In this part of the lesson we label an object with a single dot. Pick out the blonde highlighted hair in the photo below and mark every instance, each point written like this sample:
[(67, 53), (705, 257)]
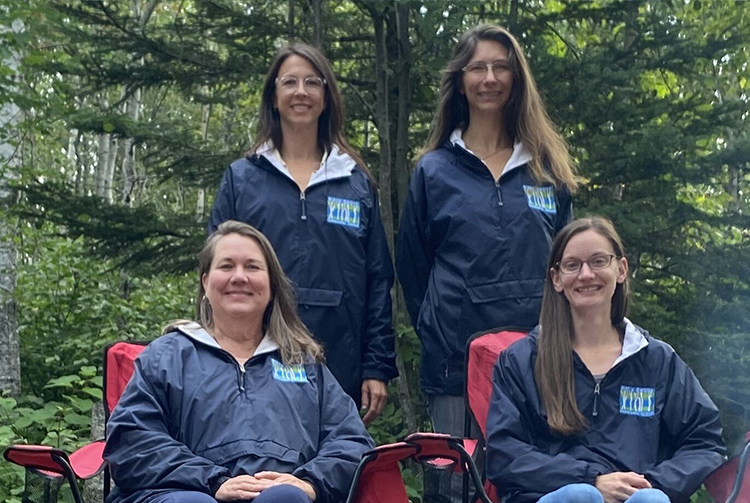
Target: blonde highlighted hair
[(280, 321), (525, 115)]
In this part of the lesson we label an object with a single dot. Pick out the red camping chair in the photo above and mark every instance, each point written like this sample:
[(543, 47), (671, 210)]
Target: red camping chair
[(482, 351), (47, 468), (730, 483), (378, 476)]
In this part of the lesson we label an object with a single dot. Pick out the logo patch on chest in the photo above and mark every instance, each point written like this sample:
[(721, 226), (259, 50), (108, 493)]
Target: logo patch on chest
[(343, 212), (637, 401), (541, 198), (290, 373)]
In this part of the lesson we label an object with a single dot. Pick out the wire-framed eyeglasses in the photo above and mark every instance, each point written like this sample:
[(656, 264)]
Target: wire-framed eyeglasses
[(291, 84), (480, 68), (595, 262)]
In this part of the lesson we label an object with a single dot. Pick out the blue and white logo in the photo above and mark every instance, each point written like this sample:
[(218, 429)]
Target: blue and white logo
[(291, 373), (541, 198), (637, 401), (343, 212)]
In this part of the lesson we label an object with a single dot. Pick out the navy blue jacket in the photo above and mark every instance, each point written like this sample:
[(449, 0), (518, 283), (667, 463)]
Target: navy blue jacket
[(649, 415), (472, 254), (191, 418), (331, 243)]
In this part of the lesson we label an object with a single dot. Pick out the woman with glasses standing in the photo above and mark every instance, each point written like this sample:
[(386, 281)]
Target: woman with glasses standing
[(590, 408), (484, 204), (310, 193)]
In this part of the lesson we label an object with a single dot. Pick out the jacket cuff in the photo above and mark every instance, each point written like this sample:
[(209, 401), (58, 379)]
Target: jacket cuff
[(216, 483), (378, 375)]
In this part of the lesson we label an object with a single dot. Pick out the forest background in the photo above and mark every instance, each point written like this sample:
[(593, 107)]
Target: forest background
[(118, 118)]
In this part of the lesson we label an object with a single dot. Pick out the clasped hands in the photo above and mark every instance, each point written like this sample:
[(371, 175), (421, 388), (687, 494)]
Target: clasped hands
[(616, 487), (247, 487)]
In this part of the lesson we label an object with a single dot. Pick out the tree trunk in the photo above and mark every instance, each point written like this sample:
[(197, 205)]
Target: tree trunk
[(317, 10), (401, 166), (10, 362)]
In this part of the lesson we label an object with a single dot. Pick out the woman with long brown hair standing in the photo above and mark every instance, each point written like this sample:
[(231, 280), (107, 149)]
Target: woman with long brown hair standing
[(484, 204), (305, 188), (591, 408)]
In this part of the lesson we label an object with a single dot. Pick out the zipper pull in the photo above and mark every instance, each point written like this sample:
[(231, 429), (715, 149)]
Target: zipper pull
[(596, 398), (302, 202), (499, 194), (242, 378)]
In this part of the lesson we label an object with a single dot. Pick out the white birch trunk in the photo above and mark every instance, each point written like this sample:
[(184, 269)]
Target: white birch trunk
[(10, 363)]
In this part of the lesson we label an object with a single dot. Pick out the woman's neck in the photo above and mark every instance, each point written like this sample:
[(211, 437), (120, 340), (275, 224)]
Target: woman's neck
[(486, 134), (237, 339), (592, 329), (300, 144)]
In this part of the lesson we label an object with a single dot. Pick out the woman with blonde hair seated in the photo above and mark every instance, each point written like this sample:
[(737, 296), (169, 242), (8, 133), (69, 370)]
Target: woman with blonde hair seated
[(236, 406)]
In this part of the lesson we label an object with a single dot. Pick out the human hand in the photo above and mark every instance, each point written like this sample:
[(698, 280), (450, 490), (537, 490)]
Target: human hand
[(242, 487), (616, 487), (276, 478), (374, 396)]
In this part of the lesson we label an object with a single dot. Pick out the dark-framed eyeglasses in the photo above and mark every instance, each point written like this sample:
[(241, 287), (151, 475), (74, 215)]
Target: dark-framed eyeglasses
[(480, 68), (291, 84), (596, 262)]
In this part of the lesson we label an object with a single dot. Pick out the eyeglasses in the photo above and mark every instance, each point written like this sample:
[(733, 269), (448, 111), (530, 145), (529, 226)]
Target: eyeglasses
[(573, 265), (291, 84), (480, 68)]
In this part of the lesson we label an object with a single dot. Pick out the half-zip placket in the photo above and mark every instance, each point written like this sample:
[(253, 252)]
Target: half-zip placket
[(303, 204), (594, 411)]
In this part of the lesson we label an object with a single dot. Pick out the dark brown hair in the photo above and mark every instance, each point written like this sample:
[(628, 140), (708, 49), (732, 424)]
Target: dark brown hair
[(553, 370), (330, 122), (526, 118)]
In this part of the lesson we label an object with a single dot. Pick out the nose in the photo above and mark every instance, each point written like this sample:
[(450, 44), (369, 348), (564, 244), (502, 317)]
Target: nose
[(585, 271), (238, 276), (301, 89), (490, 74)]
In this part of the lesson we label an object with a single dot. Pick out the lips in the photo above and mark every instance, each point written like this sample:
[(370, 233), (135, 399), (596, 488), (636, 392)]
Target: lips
[(588, 288)]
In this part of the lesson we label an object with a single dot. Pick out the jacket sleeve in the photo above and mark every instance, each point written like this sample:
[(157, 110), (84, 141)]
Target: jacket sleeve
[(691, 424), (514, 463), (565, 213), (379, 345), (342, 441), (414, 256), (141, 450), (223, 208)]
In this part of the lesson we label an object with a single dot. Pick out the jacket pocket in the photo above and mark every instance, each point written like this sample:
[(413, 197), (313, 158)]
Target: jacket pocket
[(319, 297), (503, 290), (262, 449)]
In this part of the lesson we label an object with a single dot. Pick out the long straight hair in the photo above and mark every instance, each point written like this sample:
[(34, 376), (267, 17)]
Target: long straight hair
[(280, 321), (525, 115), (330, 122), (553, 370)]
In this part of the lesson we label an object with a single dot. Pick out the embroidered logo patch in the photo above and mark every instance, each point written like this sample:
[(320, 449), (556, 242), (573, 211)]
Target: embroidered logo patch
[(637, 401), (343, 212), (541, 198), (292, 373)]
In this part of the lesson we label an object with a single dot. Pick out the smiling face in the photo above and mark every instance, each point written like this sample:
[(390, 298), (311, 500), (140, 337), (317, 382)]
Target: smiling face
[(589, 288), (237, 285), (487, 91), (301, 104)]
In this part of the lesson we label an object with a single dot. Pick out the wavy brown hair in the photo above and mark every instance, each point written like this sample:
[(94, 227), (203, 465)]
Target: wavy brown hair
[(280, 321), (553, 370), (330, 122), (525, 115)]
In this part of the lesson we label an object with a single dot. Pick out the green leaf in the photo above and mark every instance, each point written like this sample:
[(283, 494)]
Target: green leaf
[(63, 382), (93, 392)]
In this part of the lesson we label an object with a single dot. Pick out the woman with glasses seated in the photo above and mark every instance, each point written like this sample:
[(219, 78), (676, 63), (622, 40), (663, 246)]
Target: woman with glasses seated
[(305, 188), (591, 408), (484, 204)]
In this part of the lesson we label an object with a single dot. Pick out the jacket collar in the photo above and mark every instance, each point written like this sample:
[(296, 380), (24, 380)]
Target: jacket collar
[(518, 158), (196, 332), (633, 341), (335, 163)]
